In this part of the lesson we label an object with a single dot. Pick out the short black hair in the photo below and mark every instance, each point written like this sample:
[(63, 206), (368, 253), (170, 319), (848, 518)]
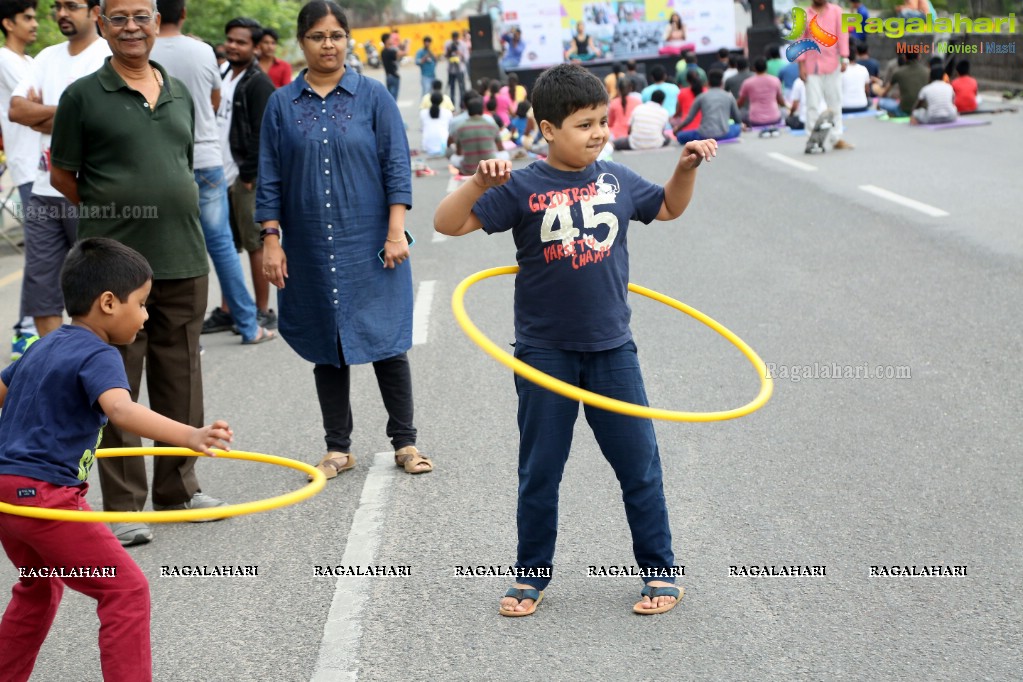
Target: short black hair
[(384, 37), (657, 73), (11, 8), (562, 90), (722, 53), (272, 32), (255, 30), (772, 52), (437, 84), (657, 96), (522, 110), (760, 65), (427, 39), (96, 265), (714, 78), (474, 106), (742, 63), (861, 48), (170, 11), (937, 73), (315, 10), (963, 67)]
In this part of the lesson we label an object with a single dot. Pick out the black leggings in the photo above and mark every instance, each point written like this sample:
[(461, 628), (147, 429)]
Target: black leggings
[(333, 386)]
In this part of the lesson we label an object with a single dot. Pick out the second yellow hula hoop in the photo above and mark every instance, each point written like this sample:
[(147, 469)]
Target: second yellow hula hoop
[(180, 515), (596, 400)]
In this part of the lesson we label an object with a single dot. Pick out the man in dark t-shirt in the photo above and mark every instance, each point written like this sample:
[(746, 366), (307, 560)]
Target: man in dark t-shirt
[(390, 58)]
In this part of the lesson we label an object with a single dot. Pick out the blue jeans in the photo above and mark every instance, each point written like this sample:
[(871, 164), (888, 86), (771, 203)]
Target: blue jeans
[(546, 422), (891, 106), (683, 136), (393, 83), (216, 230), (426, 83)]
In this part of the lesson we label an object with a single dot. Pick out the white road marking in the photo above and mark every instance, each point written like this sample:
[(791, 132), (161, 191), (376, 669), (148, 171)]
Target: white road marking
[(905, 201), (421, 312), (792, 162), (341, 633)]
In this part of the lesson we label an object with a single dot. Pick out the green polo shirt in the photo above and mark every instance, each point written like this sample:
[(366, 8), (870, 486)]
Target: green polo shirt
[(134, 166)]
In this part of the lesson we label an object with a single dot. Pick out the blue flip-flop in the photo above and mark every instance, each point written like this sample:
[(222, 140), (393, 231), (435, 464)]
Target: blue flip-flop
[(653, 593), (520, 594)]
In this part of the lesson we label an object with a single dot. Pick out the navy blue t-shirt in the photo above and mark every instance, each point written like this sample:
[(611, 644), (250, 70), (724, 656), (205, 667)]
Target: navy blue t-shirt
[(51, 422), (570, 231)]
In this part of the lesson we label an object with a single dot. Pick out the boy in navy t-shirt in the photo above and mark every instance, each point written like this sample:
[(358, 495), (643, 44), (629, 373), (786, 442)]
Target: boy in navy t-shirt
[(56, 400), (569, 217)]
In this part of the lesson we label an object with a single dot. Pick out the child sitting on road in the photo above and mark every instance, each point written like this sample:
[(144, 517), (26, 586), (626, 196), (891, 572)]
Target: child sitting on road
[(570, 217), (56, 400)]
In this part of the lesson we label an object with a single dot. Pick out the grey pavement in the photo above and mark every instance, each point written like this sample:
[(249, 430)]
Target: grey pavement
[(814, 273)]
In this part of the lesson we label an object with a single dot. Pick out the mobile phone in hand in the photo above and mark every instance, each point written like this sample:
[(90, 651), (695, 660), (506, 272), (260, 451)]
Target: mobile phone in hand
[(408, 237)]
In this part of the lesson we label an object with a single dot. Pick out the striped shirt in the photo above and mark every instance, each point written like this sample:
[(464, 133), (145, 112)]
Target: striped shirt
[(647, 126), (476, 140)]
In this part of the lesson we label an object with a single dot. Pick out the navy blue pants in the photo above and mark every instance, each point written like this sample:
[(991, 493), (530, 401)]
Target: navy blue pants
[(546, 422)]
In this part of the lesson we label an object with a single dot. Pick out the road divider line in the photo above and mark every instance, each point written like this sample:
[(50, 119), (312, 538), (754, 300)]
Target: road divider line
[(905, 201), (778, 156), (11, 278), (421, 312), (339, 647)]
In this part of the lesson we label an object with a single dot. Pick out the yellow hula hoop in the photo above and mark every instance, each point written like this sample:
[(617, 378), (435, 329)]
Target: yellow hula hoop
[(596, 400), (179, 515)]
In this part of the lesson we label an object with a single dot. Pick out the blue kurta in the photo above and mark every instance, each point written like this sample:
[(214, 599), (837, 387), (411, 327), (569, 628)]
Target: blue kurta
[(329, 170)]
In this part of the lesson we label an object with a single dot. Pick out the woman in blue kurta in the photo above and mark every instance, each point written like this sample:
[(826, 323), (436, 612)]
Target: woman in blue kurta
[(334, 188)]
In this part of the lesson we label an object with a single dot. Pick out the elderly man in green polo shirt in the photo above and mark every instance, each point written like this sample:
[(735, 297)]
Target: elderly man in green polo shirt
[(122, 150)]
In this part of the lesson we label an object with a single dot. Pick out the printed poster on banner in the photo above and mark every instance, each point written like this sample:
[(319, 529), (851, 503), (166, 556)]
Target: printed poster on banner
[(540, 23)]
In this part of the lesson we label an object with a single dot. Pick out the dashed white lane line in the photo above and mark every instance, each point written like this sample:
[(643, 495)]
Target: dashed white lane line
[(777, 156), (926, 209), (421, 312), (341, 633)]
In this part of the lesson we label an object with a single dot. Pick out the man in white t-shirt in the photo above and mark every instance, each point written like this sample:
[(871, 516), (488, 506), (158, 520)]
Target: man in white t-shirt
[(855, 86), (21, 144), (51, 222), (647, 125), (194, 63), (936, 101)]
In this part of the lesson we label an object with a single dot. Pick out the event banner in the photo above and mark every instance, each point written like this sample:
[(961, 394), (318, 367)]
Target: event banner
[(618, 30), (540, 23)]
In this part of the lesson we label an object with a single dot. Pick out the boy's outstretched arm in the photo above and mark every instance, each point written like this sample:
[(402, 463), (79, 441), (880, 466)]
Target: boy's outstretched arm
[(454, 215), (124, 413), (679, 188)]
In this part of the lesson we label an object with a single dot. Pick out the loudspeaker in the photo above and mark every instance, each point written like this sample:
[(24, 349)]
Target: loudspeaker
[(484, 64), (759, 37), (482, 31), (763, 12)]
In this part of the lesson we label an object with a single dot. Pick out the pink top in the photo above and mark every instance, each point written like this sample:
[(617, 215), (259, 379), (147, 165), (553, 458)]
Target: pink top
[(829, 58), (618, 118), (504, 105), (761, 91)]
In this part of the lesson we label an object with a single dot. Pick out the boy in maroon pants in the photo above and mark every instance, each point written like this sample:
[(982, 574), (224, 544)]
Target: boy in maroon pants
[(56, 400)]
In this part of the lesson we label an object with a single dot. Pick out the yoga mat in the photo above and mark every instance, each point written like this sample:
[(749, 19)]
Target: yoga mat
[(958, 123)]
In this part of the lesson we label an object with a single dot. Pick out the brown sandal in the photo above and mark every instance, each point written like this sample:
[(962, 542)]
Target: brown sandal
[(331, 464), (411, 460)]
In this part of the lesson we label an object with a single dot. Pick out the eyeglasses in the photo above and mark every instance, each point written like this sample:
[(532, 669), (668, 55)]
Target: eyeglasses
[(68, 7), (321, 38), (120, 21)]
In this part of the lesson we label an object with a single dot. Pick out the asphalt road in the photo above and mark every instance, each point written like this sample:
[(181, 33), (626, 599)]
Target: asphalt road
[(919, 466)]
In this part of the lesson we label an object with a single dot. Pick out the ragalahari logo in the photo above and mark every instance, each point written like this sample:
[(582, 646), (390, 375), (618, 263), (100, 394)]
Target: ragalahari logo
[(818, 36)]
